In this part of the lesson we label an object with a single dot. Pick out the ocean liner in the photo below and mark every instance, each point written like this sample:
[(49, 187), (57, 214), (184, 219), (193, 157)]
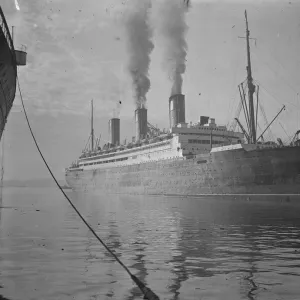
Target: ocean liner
[(192, 159), (9, 60)]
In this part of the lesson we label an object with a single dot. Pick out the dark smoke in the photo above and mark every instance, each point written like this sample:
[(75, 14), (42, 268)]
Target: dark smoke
[(173, 28), (139, 35)]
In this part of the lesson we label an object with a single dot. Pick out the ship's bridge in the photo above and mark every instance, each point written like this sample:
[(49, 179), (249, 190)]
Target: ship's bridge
[(196, 138)]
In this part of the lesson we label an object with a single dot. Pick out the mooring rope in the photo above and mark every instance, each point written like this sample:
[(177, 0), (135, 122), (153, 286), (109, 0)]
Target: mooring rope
[(148, 294)]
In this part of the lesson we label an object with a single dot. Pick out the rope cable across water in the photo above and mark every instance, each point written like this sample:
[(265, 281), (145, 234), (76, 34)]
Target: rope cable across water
[(148, 294)]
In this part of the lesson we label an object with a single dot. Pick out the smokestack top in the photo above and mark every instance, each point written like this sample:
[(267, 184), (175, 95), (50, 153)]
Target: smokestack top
[(176, 109), (141, 123), (177, 96), (140, 108), (114, 131)]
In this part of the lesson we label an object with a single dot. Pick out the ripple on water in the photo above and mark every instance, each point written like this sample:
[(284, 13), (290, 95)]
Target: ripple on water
[(182, 248)]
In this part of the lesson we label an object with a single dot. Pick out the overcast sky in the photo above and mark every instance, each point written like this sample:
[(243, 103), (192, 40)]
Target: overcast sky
[(77, 52)]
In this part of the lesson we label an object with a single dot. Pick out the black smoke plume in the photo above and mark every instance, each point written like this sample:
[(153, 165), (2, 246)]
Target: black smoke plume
[(140, 46), (173, 28)]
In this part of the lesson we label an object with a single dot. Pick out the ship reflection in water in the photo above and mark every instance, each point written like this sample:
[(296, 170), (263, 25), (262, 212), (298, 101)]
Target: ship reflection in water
[(182, 248)]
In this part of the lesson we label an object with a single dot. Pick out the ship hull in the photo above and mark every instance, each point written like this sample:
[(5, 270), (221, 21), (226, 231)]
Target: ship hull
[(8, 73), (236, 172)]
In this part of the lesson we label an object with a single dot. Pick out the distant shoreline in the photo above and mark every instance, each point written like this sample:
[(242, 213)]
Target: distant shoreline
[(64, 187), (34, 183)]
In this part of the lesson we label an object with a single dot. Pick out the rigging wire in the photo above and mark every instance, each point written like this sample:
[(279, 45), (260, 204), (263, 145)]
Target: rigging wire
[(261, 85), (235, 92), (232, 124), (297, 107), (147, 292), (288, 137), (237, 115), (270, 135), (271, 54)]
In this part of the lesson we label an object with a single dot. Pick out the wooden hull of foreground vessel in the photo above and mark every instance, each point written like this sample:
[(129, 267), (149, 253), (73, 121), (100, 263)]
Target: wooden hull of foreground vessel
[(8, 72), (273, 171)]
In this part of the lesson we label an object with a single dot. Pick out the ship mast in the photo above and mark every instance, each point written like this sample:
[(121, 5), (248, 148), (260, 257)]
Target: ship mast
[(92, 128), (251, 88)]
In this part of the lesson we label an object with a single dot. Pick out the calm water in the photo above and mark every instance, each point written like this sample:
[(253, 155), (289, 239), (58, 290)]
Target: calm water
[(182, 248)]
